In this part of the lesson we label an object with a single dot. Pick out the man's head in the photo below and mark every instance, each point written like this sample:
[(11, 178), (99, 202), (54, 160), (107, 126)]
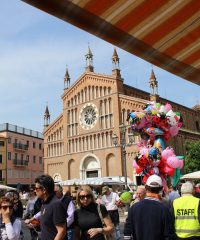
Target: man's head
[(105, 190), (140, 192), (58, 190), (154, 184), (44, 186), (187, 188)]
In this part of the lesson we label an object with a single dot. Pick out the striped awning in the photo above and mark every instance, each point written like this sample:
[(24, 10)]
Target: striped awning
[(163, 32)]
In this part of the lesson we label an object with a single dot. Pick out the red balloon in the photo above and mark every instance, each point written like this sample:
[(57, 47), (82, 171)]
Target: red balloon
[(138, 169), (151, 171), (162, 163), (167, 136), (169, 170), (142, 161), (144, 179)]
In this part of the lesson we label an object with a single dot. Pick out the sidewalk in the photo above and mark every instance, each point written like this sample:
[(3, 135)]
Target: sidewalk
[(122, 219), (122, 215)]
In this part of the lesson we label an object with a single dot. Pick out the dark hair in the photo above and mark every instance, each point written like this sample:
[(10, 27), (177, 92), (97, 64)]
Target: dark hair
[(6, 200), (46, 182), (174, 188), (153, 189), (59, 187)]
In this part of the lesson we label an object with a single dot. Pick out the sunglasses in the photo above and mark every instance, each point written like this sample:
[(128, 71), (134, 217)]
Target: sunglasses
[(6, 207), (82, 197), (38, 188)]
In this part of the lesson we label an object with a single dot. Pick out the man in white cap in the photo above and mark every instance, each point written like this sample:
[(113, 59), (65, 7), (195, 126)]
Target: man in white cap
[(186, 212), (149, 219)]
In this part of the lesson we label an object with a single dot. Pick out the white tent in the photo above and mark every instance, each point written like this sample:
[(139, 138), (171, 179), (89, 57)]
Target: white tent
[(191, 176), (91, 181), (4, 187)]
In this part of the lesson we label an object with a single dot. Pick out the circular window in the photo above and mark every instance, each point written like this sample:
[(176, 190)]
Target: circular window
[(88, 116)]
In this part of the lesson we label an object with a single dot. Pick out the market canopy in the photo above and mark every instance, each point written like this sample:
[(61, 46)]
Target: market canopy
[(162, 32), (191, 176), (4, 187), (90, 181)]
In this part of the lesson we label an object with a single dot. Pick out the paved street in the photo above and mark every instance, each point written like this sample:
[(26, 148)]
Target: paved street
[(122, 220), (26, 232)]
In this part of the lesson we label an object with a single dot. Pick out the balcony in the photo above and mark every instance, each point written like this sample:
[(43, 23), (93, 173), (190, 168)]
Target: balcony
[(20, 146), (20, 163)]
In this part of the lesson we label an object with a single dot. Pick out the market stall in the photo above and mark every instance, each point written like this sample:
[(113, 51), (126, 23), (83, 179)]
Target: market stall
[(191, 176)]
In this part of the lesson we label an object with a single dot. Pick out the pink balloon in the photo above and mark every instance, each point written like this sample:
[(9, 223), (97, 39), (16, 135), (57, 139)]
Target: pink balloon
[(135, 164), (164, 182), (181, 163), (144, 151), (168, 107), (173, 162), (174, 130), (142, 123), (168, 152)]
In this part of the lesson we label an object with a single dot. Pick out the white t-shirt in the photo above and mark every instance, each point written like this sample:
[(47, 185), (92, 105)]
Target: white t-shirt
[(110, 201), (30, 205)]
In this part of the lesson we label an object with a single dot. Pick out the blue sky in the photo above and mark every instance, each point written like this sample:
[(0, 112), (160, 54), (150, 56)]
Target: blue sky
[(36, 47)]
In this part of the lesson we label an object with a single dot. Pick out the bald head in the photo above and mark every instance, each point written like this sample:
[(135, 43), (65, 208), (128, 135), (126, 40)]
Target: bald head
[(140, 192)]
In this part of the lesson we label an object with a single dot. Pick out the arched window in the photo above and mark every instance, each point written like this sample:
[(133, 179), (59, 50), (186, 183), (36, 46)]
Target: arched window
[(197, 126)]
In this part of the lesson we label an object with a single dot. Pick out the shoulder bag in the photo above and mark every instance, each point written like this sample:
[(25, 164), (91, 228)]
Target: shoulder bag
[(106, 236)]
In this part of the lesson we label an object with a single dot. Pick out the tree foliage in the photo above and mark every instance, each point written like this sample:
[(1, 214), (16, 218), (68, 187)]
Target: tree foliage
[(192, 159)]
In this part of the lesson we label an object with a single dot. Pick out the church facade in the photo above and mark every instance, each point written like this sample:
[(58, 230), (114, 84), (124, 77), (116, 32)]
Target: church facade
[(79, 142)]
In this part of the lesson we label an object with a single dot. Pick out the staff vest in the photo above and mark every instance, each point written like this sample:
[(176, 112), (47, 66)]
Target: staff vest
[(186, 216)]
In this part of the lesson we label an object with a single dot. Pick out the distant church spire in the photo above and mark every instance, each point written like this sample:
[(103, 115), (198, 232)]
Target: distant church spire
[(153, 84), (115, 62), (89, 61), (46, 117), (66, 79)]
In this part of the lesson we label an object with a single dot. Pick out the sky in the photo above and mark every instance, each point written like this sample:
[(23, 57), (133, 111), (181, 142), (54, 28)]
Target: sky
[(35, 49)]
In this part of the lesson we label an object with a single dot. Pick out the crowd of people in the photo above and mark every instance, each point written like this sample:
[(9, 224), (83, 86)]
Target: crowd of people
[(169, 216), (52, 214)]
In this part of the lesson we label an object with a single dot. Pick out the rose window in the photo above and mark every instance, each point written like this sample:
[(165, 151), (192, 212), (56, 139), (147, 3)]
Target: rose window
[(88, 116)]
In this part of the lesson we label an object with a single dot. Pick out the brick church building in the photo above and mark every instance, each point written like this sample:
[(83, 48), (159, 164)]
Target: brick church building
[(79, 142)]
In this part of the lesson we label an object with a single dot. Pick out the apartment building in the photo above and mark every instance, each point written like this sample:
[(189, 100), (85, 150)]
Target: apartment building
[(21, 155)]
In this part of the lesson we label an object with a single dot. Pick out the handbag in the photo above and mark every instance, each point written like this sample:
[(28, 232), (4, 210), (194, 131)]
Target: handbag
[(106, 236)]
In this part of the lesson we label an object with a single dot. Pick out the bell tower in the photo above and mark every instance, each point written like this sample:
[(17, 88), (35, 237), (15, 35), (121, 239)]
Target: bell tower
[(89, 61), (153, 84), (66, 80), (115, 63), (46, 117)]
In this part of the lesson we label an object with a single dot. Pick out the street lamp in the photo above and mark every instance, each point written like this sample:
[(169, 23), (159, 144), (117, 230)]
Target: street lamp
[(123, 145)]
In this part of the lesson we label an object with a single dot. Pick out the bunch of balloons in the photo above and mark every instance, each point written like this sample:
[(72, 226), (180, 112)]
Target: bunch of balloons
[(156, 124)]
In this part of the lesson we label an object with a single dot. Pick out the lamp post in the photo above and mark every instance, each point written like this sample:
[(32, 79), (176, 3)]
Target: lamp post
[(123, 146)]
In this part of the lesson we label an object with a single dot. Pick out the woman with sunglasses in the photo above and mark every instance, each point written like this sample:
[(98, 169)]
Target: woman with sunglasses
[(88, 223), (10, 226), (17, 207)]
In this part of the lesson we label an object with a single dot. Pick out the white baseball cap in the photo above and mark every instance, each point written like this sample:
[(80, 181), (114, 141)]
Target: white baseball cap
[(154, 181)]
